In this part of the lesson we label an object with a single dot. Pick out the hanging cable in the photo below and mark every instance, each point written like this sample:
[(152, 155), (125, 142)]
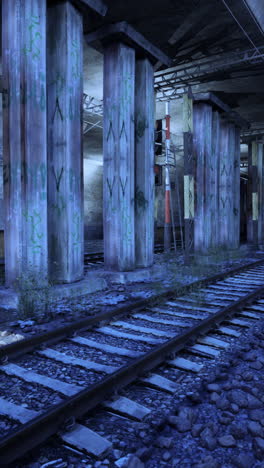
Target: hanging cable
[(241, 27)]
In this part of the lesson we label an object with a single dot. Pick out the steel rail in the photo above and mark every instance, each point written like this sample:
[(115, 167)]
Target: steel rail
[(19, 348), (55, 420)]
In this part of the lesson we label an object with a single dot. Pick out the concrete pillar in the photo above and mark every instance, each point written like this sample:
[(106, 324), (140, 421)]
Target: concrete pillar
[(252, 209), (225, 181), (189, 175), (214, 178), (204, 219), (25, 128), (119, 158), (144, 163), (65, 158), (261, 196), (236, 197), (231, 186)]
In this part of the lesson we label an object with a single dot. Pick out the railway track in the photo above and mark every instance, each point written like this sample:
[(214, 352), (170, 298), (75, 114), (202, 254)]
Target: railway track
[(90, 259), (73, 369)]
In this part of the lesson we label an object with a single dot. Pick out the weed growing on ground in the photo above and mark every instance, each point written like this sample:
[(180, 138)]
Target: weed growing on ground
[(34, 295)]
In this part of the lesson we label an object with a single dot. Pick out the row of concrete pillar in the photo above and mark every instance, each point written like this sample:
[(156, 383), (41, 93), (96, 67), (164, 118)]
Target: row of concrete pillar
[(43, 165), (212, 177), (255, 199)]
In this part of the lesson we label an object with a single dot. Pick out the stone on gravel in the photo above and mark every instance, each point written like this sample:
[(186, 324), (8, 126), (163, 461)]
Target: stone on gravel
[(256, 365), (197, 429), (238, 431), (258, 447), (251, 356), (207, 440), (256, 414), (208, 462), (166, 456), (222, 403), (243, 460), (247, 376), (214, 397), (213, 387), (144, 453), (164, 442), (255, 429), (184, 421), (239, 398), (227, 441), (254, 403), (130, 461)]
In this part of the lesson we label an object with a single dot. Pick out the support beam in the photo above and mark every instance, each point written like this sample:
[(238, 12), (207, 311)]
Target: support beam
[(144, 163), (119, 159), (65, 159), (25, 142)]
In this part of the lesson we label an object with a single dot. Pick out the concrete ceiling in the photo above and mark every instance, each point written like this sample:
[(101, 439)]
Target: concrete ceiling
[(189, 30)]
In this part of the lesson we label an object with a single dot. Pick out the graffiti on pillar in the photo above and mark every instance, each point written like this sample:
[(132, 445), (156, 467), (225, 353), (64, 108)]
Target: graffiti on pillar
[(110, 131), (75, 54), (59, 206), (224, 170), (110, 186), (75, 180), (126, 93), (57, 110), (123, 132), (141, 126), (224, 201), (140, 201), (123, 185), (58, 177), (126, 222), (34, 221), (76, 234), (34, 35)]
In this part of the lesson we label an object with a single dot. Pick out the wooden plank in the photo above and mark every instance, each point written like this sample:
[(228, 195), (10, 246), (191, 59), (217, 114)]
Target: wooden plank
[(128, 408), (75, 361), (83, 439), (185, 364), (159, 382), (105, 347), (142, 329), (122, 31), (204, 350), (129, 336), (16, 412), (33, 377)]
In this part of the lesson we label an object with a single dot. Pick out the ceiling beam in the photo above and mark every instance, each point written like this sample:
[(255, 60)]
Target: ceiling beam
[(95, 5)]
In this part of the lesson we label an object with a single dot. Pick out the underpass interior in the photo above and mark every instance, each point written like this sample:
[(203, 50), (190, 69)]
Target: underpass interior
[(132, 166)]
